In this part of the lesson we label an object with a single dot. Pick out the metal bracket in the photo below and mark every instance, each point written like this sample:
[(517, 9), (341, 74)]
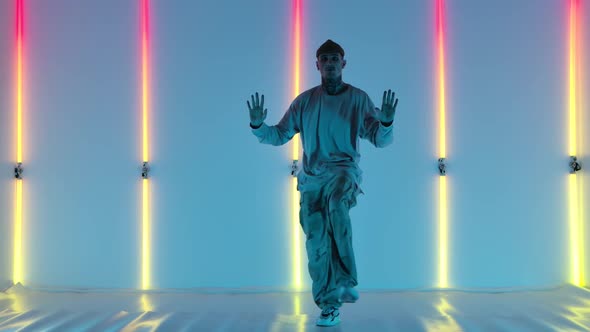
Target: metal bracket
[(442, 167), (145, 169), (18, 171), (574, 165), (294, 168)]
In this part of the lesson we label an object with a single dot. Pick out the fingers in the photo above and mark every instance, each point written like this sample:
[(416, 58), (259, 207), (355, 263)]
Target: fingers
[(389, 97), (256, 102), (395, 105)]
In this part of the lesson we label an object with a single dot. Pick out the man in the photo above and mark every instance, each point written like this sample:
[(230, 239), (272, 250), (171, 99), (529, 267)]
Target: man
[(330, 118)]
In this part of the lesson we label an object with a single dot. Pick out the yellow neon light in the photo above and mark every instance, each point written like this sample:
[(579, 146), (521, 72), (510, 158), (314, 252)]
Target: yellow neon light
[(146, 232), (576, 222), (297, 282), (145, 244), (296, 229), (576, 237), (443, 247), (18, 235)]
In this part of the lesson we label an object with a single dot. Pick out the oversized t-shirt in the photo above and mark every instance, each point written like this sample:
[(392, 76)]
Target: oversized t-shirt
[(330, 127)]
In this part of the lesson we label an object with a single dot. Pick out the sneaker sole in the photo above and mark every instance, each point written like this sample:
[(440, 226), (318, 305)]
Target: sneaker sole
[(329, 321), (332, 323)]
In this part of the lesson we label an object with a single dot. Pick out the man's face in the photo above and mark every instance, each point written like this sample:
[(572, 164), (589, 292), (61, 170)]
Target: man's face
[(330, 65)]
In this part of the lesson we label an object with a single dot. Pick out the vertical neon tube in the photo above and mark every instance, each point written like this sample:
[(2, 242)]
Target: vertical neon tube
[(576, 225), (296, 229), (145, 236), (18, 215), (443, 248)]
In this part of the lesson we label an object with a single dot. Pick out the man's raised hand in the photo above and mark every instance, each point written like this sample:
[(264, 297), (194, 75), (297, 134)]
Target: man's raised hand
[(257, 115), (388, 106)]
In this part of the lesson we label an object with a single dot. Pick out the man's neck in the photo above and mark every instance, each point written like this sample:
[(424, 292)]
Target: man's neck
[(333, 86)]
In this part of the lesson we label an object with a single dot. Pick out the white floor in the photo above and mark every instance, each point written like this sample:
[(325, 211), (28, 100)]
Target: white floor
[(564, 308)]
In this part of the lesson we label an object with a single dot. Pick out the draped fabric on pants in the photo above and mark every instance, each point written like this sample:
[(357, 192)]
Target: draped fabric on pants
[(325, 220)]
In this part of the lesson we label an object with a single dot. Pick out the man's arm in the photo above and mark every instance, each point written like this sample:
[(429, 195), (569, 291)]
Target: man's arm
[(279, 134), (372, 129)]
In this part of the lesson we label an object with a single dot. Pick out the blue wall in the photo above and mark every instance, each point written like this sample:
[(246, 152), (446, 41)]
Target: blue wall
[(220, 200)]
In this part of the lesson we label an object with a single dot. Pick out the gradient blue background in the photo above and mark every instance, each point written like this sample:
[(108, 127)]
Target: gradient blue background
[(220, 201)]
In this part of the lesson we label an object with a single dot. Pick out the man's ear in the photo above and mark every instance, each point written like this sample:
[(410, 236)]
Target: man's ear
[(317, 65), (343, 63)]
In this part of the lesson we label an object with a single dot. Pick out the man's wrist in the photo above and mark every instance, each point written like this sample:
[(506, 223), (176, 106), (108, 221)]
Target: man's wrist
[(255, 127), (387, 124)]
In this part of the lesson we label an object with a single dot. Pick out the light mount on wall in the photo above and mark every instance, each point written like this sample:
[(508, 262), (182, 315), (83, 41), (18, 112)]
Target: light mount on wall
[(145, 168), (294, 168), (18, 171), (442, 167), (574, 165)]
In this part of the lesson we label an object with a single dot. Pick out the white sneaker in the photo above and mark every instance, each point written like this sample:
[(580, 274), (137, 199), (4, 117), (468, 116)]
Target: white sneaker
[(330, 316), (348, 295)]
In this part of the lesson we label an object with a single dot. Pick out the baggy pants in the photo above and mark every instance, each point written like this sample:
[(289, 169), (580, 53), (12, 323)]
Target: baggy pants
[(324, 217)]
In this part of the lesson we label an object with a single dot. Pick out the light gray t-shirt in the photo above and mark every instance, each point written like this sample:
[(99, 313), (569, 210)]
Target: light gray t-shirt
[(330, 127)]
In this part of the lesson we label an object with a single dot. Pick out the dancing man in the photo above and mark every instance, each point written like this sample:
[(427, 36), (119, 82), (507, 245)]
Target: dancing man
[(330, 118)]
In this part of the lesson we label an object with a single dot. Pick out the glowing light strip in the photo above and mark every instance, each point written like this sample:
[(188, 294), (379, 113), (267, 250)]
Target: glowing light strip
[(145, 243), (18, 215), (443, 249), (19, 95), (145, 236), (576, 223), (18, 234), (576, 238), (296, 229), (144, 71), (572, 78), (441, 78)]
